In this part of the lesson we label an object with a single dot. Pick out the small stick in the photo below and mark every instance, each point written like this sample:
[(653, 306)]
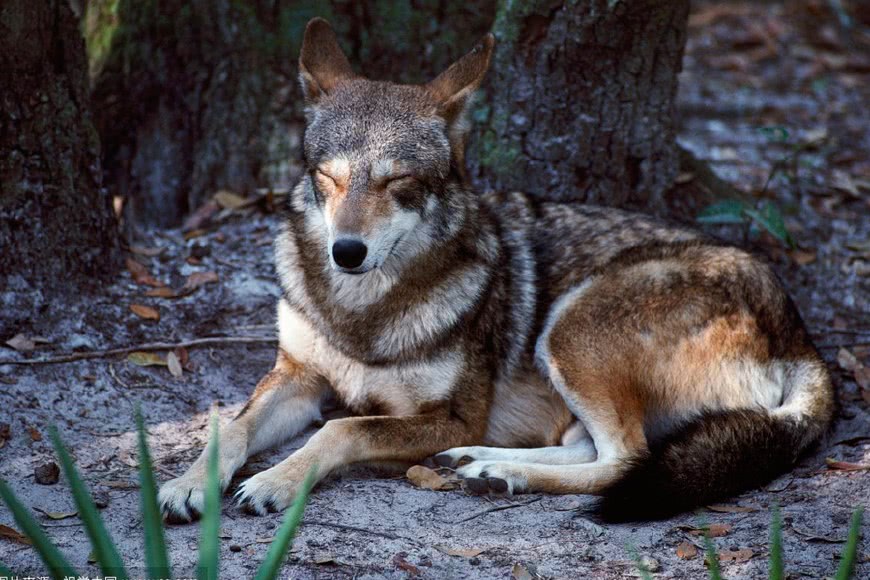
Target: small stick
[(346, 527), (497, 508), (842, 344), (148, 346)]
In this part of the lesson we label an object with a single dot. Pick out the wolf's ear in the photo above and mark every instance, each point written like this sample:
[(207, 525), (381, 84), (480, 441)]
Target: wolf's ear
[(322, 64), (453, 88)]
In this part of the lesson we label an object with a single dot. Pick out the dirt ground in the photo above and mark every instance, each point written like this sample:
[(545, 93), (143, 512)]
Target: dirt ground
[(747, 68)]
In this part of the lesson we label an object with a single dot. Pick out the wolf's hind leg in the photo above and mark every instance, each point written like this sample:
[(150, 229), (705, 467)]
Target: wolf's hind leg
[(601, 390), (576, 447), (286, 400)]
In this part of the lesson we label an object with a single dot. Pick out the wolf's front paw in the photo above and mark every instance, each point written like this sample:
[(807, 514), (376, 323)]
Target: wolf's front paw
[(269, 491), (182, 500)]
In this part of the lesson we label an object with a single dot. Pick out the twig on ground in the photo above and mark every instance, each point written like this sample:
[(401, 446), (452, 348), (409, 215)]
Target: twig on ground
[(842, 344), (310, 522), (823, 331), (497, 508), (76, 356)]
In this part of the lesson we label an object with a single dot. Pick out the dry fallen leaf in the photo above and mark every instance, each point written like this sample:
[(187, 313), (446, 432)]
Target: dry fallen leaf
[(174, 365), (149, 252), (324, 558), (844, 465), (146, 312), (685, 177), (201, 216), (730, 509), (21, 343), (519, 572), (162, 292), (403, 564), (844, 182), (35, 435), (686, 551), (198, 279), (183, 357), (803, 258), (140, 274), (742, 555), (195, 234), (13, 535), (426, 478), (714, 530), (463, 552), (229, 200), (119, 484), (847, 360), (145, 359), (56, 515)]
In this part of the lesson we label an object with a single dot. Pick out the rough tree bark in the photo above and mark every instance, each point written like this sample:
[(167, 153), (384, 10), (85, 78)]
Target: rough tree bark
[(193, 96), (196, 96), (57, 227), (580, 100)]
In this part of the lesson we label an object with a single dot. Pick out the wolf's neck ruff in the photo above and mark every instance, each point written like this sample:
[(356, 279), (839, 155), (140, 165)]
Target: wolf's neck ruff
[(451, 268)]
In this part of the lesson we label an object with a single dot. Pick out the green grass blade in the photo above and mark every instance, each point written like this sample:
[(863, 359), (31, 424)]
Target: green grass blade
[(776, 570), (209, 543), (156, 558), (712, 557), (847, 561), (58, 565), (278, 550), (104, 548)]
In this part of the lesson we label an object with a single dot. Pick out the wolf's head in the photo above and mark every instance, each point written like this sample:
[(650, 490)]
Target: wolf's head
[(379, 156)]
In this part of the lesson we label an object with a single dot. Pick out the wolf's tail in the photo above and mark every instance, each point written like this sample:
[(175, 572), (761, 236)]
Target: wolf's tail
[(723, 453)]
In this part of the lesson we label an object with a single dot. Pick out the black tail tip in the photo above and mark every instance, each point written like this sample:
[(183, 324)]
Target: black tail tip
[(642, 494)]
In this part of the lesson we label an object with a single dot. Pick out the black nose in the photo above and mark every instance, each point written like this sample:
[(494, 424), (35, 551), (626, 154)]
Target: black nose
[(349, 253)]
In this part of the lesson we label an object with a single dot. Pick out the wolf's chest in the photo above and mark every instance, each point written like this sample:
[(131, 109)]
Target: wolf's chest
[(389, 389)]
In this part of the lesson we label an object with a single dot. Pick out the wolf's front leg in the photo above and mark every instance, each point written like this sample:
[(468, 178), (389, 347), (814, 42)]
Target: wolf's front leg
[(285, 401), (351, 440)]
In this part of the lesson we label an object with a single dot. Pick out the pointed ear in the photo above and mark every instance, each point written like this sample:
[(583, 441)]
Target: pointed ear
[(454, 87), (322, 64)]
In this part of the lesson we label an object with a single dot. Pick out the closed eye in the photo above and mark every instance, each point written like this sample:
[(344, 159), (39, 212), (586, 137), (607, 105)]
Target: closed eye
[(397, 179), (327, 176)]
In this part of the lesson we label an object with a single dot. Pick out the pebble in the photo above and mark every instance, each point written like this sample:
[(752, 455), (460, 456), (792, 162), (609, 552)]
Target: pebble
[(47, 473)]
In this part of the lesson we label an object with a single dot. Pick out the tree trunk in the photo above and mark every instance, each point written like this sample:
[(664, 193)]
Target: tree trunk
[(57, 227), (201, 95), (193, 96), (580, 101)]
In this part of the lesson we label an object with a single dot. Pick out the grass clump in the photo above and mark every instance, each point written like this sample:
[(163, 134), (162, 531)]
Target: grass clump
[(776, 568), (157, 561)]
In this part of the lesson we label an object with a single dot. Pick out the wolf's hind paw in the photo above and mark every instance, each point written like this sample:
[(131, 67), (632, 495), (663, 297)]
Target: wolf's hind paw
[(495, 477)]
